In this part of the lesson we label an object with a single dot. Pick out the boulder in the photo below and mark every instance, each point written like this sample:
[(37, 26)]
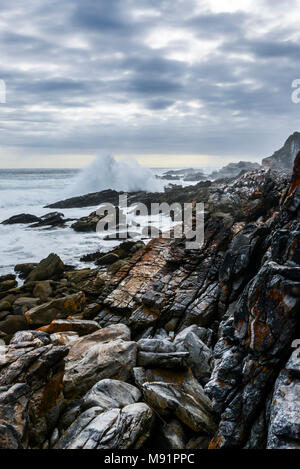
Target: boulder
[(178, 394), (56, 309), (107, 353), (125, 428), (111, 394), (47, 269)]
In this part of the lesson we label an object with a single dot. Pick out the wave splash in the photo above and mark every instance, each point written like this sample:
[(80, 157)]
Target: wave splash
[(108, 173)]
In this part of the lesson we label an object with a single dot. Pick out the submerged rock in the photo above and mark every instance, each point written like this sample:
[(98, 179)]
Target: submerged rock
[(23, 218)]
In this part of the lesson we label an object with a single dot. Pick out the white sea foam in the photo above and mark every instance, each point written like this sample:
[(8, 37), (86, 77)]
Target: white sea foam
[(108, 173)]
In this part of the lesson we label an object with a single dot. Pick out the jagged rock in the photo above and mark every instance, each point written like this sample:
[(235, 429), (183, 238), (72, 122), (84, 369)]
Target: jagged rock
[(22, 219), (14, 416), (107, 353), (32, 360), (284, 158), (79, 326), (56, 309), (47, 269), (179, 394)]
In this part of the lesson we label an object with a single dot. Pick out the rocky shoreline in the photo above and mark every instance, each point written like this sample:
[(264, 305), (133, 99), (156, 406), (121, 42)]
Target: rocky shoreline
[(157, 346)]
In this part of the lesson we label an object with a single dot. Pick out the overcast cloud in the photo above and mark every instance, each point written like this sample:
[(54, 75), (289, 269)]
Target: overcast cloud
[(148, 78)]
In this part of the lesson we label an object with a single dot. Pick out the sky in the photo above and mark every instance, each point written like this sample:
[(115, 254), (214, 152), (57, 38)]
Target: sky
[(168, 82)]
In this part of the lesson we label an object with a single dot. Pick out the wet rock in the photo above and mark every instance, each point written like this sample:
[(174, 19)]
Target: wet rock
[(56, 309), (178, 394), (49, 268), (50, 219), (23, 218), (107, 353)]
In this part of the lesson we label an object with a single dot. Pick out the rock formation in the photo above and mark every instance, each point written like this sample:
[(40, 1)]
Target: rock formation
[(164, 347), (285, 157)]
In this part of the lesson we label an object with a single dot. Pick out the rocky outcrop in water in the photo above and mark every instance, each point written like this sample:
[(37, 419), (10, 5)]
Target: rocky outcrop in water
[(164, 348), (234, 169)]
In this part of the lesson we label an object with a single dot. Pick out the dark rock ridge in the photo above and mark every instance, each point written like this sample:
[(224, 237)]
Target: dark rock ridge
[(284, 158), (164, 348)]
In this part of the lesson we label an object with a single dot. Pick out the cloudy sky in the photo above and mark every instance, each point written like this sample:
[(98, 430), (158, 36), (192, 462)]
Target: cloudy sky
[(170, 82)]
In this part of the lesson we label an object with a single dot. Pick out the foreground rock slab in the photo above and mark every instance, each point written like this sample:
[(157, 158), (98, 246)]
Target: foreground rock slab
[(107, 353)]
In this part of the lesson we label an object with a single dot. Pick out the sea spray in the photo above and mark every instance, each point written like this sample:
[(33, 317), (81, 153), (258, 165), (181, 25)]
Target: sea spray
[(108, 173)]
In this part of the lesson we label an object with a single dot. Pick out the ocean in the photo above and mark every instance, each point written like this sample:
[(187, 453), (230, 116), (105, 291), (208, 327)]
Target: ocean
[(30, 190)]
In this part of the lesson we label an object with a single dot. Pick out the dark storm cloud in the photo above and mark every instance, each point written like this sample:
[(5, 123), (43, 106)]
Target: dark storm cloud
[(118, 76)]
